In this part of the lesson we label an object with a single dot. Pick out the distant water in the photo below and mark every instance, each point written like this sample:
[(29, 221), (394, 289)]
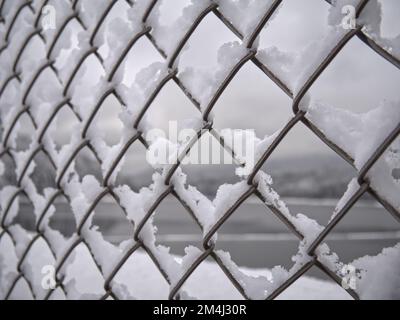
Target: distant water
[(253, 235)]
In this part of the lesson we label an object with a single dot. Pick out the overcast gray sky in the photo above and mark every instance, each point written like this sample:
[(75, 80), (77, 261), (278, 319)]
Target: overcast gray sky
[(358, 79)]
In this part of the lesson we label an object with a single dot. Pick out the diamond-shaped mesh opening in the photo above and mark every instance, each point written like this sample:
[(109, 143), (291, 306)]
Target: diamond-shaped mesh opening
[(208, 183), (288, 54), (209, 164), (202, 48), (60, 126), (263, 97), (44, 173), (306, 26), (111, 221), (176, 227), (28, 62), (87, 86), (135, 157), (85, 282), (62, 219), (22, 291), (9, 177), (140, 271), (141, 55), (25, 217), (22, 133), (107, 120), (256, 238), (352, 81), (309, 170), (352, 237), (87, 164), (67, 45), (119, 11), (170, 112), (34, 268)]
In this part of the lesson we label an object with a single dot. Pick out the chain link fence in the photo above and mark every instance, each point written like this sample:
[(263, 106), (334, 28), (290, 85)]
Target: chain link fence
[(15, 47)]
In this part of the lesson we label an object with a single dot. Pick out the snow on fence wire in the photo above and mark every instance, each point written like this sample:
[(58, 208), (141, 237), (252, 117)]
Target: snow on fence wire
[(33, 84)]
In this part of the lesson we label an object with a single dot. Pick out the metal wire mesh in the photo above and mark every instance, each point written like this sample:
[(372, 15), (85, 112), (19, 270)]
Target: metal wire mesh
[(299, 116)]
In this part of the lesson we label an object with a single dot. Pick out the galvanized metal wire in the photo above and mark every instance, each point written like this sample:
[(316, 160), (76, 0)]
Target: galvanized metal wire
[(209, 251)]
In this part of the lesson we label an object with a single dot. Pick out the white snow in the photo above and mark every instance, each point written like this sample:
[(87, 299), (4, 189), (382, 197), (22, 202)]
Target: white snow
[(8, 107), (352, 189), (82, 195), (105, 253), (119, 33), (138, 204), (295, 68), (85, 283), (245, 15), (138, 94), (208, 212), (204, 82), (227, 196), (63, 10), (21, 159), (359, 135), (380, 275), (169, 36), (200, 205), (61, 158), (91, 11), (8, 264), (85, 96), (254, 286), (372, 19)]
